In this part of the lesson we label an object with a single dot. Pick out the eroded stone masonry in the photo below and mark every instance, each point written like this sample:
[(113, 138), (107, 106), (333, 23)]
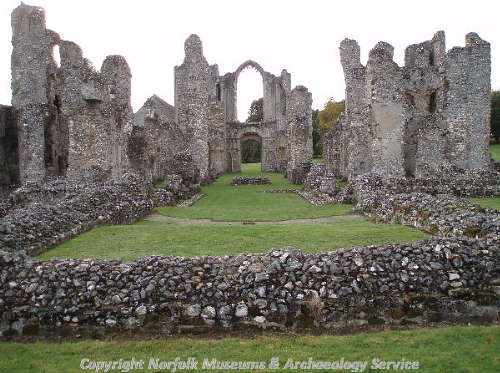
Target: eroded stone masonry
[(414, 120)]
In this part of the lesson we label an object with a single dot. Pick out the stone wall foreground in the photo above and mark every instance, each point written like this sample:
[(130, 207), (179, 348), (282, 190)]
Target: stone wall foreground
[(396, 284)]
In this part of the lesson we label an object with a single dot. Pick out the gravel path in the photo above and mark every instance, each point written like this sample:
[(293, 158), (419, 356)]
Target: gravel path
[(328, 219)]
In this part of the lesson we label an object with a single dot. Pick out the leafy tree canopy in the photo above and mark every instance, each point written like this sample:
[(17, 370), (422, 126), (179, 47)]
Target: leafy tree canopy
[(329, 115), (256, 111)]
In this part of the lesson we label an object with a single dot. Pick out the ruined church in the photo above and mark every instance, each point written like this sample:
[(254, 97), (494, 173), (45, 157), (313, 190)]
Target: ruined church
[(72, 121), (205, 114)]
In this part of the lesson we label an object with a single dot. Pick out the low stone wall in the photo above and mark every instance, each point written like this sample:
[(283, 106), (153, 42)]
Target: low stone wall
[(431, 280), (460, 183), (443, 214), (241, 180), (37, 227)]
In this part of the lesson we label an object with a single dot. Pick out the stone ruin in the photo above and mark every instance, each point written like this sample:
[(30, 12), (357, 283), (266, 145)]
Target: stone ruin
[(416, 120), (206, 117), (72, 121), (75, 122)]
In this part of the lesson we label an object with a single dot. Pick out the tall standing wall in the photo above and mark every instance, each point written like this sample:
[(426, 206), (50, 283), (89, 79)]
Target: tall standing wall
[(414, 120)]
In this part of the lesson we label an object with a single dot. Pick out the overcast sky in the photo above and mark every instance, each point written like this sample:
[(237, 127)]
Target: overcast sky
[(300, 36)]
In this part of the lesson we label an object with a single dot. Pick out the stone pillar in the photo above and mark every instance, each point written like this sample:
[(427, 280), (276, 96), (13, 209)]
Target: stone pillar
[(32, 69), (192, 83), (385, 92), (300, 149), (354, 140), (468, 110)]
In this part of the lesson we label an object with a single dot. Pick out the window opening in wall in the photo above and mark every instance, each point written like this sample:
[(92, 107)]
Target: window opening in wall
[(249, 89), (56, 56), (432, 103), (217, 89)]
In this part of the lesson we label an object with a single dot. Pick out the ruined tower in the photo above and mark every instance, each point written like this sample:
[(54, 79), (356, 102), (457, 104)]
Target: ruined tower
[(192, 83)]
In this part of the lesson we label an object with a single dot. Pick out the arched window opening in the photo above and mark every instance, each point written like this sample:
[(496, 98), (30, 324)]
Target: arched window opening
[(56, 56), (249, 89)]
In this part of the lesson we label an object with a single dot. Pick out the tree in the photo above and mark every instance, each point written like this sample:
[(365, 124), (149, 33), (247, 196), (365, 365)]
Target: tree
[(327, 117), (317, 145), (256, 111), (495, 115)]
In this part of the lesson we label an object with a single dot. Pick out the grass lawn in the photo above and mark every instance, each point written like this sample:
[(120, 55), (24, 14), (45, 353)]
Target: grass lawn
[(495, 151), (453, 349), (224, 202), (149, 238), (490, 202)]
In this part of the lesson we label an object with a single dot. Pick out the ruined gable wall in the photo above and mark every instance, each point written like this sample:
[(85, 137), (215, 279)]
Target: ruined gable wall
[(155, 139), (192, 93)]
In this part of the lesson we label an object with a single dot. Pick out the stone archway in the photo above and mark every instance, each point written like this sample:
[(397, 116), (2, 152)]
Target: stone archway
[(250, 137)]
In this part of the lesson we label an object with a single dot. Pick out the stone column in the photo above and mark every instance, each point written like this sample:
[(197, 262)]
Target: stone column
[(32, 67)]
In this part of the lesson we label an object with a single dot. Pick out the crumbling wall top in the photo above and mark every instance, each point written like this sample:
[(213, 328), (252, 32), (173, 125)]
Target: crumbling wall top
[(193, 49), (350, 54)]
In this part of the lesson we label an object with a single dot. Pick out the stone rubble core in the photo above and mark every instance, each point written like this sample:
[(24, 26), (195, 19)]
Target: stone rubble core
[(239, 180), (414, 120)]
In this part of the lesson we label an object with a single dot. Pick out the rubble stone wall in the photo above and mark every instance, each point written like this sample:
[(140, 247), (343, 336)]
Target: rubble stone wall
[(156, 139), (429, 281), (55, 215)]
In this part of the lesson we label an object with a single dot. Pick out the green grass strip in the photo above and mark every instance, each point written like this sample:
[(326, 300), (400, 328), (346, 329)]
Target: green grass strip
[(454, 349), (147, 238)]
